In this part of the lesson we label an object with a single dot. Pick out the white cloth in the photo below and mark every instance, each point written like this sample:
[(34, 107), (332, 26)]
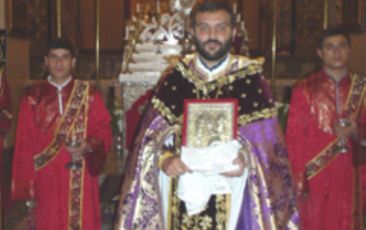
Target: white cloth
[(196, 188), (216, 158)]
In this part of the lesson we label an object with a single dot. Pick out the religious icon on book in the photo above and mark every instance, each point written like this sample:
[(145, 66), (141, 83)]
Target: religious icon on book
[(209, 121)]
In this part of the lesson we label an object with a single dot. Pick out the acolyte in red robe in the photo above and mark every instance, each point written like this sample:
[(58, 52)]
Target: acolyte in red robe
[(65, 198), (330, 182)]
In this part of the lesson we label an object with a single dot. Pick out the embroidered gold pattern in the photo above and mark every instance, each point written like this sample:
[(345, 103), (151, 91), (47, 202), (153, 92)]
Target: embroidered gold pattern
[(76, 188), (175, 208), (164, 110), (221, 215), (265, 113), (76, 197), (206, 87), (319, 162), (197, 222), (202, 221)]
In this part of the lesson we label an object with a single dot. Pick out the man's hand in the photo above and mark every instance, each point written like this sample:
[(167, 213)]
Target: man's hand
[(78, 150), (240, 161), (174, 166), (350, 131), (359, 155)]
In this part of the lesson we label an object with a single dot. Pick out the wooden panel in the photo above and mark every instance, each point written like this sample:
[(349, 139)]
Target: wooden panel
[(87, 24), (357, 59), (252, 15), (111, 24), (309, 23), (2, 14)]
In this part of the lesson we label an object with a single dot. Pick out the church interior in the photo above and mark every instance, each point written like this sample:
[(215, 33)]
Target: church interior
[(123, 46)]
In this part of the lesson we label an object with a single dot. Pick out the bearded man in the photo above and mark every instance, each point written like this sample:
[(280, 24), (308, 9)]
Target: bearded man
[(260, 195)]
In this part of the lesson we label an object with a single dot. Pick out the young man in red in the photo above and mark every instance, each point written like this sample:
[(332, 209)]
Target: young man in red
[(62, 138), (325, 133)]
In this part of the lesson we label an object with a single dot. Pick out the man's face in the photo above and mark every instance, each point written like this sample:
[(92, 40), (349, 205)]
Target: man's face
[(335, 52), (60, 63), (212, 34)]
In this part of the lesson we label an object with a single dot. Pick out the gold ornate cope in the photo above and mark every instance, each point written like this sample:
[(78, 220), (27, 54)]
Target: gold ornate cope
[(238, 67), (168, 124)]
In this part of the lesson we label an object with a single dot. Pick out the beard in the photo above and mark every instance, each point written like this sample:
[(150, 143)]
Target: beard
[(219, 54)]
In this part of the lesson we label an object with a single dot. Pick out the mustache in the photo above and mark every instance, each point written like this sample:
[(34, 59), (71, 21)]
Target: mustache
[(212, 41)]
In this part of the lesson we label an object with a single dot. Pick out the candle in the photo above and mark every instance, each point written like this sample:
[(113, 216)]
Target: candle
[(127, 32), (238, 18), (158, 7), (138, 10), (235, 8)]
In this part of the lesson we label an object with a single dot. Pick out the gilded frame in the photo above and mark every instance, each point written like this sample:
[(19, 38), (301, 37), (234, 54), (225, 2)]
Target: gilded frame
[(206, 121)]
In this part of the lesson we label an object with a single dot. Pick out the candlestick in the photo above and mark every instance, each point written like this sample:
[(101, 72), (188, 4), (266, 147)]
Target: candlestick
[(235, 8), (158, 6), (127, 33), (238, 18), (138, 8)]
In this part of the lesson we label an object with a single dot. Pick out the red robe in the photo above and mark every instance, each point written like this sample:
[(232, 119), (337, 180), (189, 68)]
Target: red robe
[(49, 185), (329, 193)]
